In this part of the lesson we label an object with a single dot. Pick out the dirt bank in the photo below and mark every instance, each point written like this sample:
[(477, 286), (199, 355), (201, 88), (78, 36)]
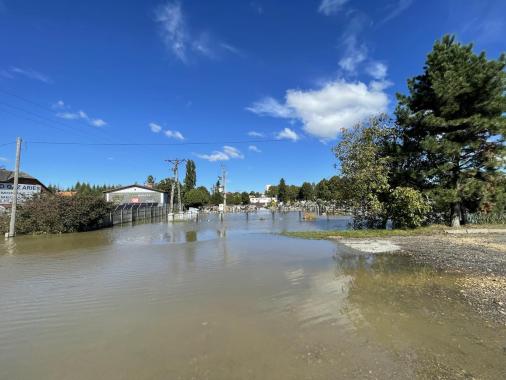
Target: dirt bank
[(480, 262)]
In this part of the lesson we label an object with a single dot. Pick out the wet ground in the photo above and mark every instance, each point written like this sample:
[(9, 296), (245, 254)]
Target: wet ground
[(232, 301)]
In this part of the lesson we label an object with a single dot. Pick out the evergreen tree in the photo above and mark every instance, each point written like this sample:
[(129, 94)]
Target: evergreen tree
[(451, 127), (190, 179), (282, 192), (244, 198), (306, 192)]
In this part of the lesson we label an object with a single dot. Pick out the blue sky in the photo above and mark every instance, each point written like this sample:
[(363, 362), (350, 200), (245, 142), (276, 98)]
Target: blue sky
[(289, 75)]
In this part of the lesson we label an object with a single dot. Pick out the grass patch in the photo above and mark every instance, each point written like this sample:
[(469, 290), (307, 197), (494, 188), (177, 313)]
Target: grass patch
[(319, 235)]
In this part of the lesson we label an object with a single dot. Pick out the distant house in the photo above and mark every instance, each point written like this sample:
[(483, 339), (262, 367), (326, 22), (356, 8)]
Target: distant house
[(66, 193), (28, 186), (134, 194), (262, 200)]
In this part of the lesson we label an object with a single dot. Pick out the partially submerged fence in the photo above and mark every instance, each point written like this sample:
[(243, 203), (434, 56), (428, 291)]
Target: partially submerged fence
[(131, 213)]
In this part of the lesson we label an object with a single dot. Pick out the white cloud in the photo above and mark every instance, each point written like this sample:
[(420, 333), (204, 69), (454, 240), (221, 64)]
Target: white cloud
[(287, 134), (399, 7), (173, 29), (254, 148), (174, 134), (68, 115), (155, 128), (3, 159), (232, 152), (79, 115), (183, 42), (255, 134), (59, 105), (98, 122), (270, 106), (328, 7), (31, 74), (377, 70), (337, 105), (226, 154), (215, 156), (354, 52)]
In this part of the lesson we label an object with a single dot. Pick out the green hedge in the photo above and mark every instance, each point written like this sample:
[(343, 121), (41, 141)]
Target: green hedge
[(50, 213)]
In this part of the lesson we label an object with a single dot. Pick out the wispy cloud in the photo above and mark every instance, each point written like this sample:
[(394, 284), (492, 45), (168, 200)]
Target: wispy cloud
[(232, 152), (336, 105), (172, 25), (377, 70), (182, 41), (65, 112), (14, 71), (174, 134), (355, 52), (257, 7), (227, 153), (396, 9), (270, 106), (254, 148), (255, 134), (287, 134), (155, 128), (98, 122), (329, 7), (3, 159), (171, 134)]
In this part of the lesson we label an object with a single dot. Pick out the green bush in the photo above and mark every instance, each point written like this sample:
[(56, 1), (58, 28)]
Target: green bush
[(197, 197), (50, 213), (408, 208)]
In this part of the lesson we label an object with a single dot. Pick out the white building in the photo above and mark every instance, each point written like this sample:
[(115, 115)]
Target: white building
[(136, 194), (262, 200)]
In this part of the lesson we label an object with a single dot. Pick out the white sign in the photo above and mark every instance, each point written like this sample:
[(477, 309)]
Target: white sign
[(24, 192)]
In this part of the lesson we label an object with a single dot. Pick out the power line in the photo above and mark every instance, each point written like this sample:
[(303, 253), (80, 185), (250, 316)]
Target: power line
[(44, 121), (154, 144), (48, 109)]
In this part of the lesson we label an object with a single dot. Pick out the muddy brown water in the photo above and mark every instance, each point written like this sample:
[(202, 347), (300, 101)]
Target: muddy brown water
[(231, 300)]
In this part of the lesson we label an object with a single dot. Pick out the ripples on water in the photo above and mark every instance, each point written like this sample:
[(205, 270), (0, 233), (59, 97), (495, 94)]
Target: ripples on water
[(226, 301)]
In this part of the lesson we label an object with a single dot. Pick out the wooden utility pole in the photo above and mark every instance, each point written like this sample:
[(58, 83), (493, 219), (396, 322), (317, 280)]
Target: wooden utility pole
[(175, 183), (12, 226)]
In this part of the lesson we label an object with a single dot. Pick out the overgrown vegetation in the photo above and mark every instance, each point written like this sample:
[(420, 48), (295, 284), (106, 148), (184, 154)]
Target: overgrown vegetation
[(50, 213)]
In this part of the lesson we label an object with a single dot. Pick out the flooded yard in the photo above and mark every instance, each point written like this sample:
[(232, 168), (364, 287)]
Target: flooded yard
[(231, 300)]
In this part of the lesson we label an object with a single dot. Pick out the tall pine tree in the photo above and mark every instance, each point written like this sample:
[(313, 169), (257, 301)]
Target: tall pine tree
[(452, 126), (190, 179)]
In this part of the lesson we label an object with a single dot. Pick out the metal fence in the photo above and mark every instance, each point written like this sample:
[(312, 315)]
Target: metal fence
[(131, 213)]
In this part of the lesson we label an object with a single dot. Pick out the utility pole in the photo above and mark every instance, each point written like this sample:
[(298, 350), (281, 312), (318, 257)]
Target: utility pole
[(12, 226), (224, 179), (175, 183)]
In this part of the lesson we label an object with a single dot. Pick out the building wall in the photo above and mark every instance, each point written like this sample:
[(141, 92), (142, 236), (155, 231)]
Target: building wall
[(136, 195)]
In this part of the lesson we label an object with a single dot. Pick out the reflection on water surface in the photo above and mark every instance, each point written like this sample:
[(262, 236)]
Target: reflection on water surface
[(230, 300)]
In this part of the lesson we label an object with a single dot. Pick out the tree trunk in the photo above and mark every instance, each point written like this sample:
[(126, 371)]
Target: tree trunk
[(455, 215)]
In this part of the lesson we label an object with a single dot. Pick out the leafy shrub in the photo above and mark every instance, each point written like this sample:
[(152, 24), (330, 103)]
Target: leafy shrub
[(196, 197), (408, 208), (50, 213)]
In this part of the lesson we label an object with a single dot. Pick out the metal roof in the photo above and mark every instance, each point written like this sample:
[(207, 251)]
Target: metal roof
[(7, 175), (126, 187)]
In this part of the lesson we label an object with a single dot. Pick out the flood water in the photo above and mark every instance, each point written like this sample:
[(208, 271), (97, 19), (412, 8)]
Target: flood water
[(231, 300)]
